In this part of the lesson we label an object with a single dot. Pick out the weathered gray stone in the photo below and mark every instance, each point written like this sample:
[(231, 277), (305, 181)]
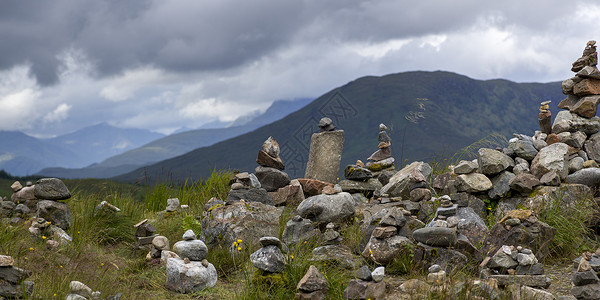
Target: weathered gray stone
[(522, 146), (271, 179), (435, 236), (246, 221), (524, 183), (378, 274), (189, 235), (399, 184), (251, 194), (471, 225), (365, 187), (161, 243), (190, 277), (269, 259), (533, 235), (586, 292), (16, 291), (312, 281), (195, 250), (81, 289), (500, 185), (473, 183), (299, 230), (13, 274), (327, 208), (575, 122), (588, 176), (492, 162), (575, 164), (466, 167), (354, 172), (583, 278), (383, 251), (51, 189), (592, 147), (553, 157), (173, 205), (537, 294), (337, 254), (325, 155), (540, 281), (448, 259), (57, 213)]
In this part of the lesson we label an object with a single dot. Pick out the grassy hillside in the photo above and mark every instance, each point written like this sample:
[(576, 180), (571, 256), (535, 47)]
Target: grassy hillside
[(428, 113)]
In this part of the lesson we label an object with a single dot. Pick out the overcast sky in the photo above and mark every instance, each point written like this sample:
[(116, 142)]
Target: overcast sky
[(162, 65)]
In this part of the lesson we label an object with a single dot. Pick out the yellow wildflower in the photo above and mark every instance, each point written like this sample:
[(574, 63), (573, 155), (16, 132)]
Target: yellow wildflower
[(292, 256), (239, 241), (102, 264), (31, 248), (235, 244), (43, 237), (239, 248)]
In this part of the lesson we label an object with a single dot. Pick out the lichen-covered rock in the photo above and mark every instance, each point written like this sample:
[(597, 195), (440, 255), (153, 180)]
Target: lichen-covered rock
[(327, 208), (492, 162), (57, 213), (552, 157), (190, 277), (473, 183), (51, 189), (399, 184), (269, 259)]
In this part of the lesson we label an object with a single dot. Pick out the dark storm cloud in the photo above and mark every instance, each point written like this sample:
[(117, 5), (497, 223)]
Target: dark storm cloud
[(185, 36)]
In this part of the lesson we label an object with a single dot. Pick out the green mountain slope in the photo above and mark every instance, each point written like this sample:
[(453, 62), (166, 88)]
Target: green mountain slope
[(428, 113)]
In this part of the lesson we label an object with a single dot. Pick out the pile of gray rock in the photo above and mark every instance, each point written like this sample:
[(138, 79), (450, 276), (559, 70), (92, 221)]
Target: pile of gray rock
[(515, 265), (49, 191), (173, 207), (367, 285), (12, 280), (144, 234), (586, 285), (53, 235), (189, 271)]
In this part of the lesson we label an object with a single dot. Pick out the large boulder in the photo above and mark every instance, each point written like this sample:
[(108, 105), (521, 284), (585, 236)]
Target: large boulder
[(223, 225), (190, 277), (492, 162), (399, 184), (327, 208), (269, 259), (298, 229), (250, 195), (193, 249), (51, 189), (435, 236), (383, 251), (26, 196), (552, 157), (271, 179), (522, 146), (573, 122), (471, 225), (57, 213), (524, 183), (313, 187)]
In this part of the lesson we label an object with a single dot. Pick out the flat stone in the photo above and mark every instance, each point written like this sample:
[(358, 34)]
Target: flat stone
[(473, 183), (354, 172), (376, 166), (267, 160), (553, 157), (587, 86), (384, 232), (589, 72), (270, 240), (588, 176), (466, 167), (399, 184), (435, 236), (586, 292), (195, 250), (271, 179), (51, 189), (13, 274), (524, 183), (327, 208), (366, 187), (583, 278), (250, 195)]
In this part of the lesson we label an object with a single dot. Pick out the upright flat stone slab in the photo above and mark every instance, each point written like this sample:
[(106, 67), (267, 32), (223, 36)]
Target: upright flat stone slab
[(325, 156)]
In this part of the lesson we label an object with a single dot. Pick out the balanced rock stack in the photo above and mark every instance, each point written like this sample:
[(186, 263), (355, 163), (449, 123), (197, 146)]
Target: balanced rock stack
[(382, 160), (367, 285), (12, 280), (190, 271), (49, 191), (245, 186), (585, 280), (515, 265), (144, 234), (269, 257), (388, 235), (583, 90), (269, 172), (23, 200)]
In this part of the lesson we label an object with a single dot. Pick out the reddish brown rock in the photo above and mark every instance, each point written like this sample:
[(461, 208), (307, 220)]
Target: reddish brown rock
[(266, 160), (551, 139), (586, 87), (312, 187), (291, 194)]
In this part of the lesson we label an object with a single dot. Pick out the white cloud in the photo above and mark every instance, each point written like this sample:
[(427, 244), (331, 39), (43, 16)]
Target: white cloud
[(60, 113)]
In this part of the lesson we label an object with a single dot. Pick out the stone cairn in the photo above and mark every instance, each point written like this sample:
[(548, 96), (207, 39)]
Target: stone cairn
[(583, 90), (80, 291), (586, 284), (12, 280), (270, 170), (367, 285), (312, 286), (173, 207), (382, 160), (269, 259), (189, 271), (325, 152), (515, 265), (144, 234), (157, 245)]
